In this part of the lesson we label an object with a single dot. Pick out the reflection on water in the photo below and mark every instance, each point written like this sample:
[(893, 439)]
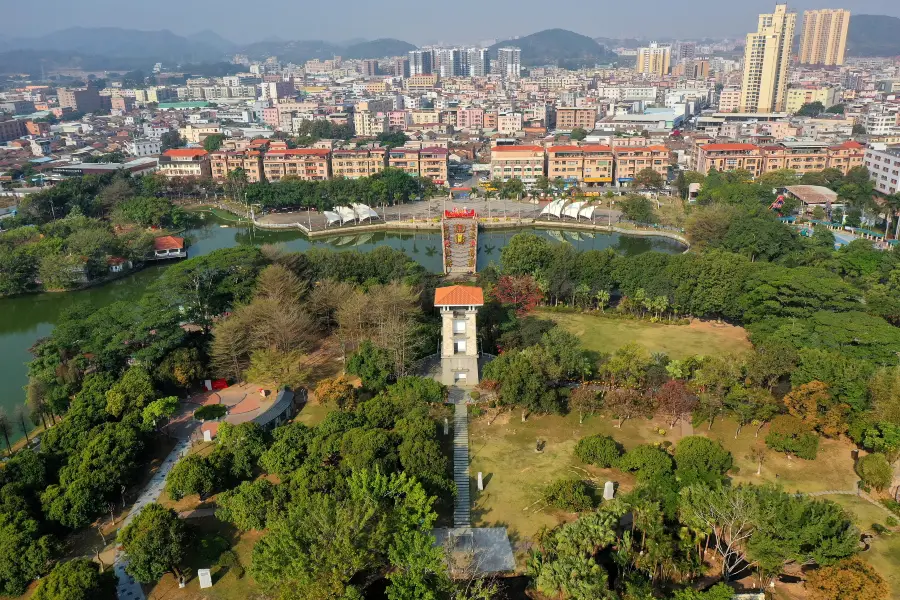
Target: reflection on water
[(26, 319)]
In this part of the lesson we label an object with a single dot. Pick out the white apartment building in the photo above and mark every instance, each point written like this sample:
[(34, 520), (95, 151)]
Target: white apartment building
[(883, 163), (881, 120), (143, 147)]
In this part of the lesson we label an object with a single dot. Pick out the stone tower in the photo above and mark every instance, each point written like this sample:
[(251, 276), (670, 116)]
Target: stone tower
[(459, 341)]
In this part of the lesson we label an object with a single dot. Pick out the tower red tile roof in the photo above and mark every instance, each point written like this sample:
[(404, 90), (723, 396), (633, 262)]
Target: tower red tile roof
[(459, 295)]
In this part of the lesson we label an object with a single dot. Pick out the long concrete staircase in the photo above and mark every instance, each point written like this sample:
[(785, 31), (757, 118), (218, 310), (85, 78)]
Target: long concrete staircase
[(462, 514)]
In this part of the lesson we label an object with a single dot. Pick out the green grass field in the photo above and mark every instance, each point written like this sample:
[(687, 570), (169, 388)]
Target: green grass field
[(226, 584), (884, 553), (832, 469), (515, 474), (605, 334)]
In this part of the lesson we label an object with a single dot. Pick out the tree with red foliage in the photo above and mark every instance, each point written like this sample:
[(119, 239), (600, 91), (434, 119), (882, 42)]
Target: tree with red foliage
[(675, 401), (522, 291)]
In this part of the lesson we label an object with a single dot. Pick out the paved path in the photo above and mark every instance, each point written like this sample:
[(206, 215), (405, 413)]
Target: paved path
[(127, 588), (462, 516)]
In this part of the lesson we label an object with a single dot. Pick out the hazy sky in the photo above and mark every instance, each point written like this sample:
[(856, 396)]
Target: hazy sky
[(416, 21)]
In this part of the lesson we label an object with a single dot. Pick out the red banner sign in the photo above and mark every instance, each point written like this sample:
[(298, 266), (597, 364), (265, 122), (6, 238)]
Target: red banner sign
[(460, 213)]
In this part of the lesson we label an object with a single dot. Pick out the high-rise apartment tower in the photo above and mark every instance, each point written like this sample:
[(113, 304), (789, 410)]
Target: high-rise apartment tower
[(766, 60), (824, 38)]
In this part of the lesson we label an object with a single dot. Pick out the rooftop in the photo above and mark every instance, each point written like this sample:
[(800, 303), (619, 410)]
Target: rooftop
[(168, 242), (459, 295)]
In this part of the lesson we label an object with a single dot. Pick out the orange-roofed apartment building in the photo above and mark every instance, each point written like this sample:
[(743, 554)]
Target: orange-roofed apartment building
[(631, 161), (185, 162), (224, 162), (405, 159), (846, 156), (517, 162), (354, 164), (591, 165), (308, 164), (730, 157)]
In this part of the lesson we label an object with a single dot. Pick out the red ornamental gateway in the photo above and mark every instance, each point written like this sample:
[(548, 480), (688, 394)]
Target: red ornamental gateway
[(460, 213)]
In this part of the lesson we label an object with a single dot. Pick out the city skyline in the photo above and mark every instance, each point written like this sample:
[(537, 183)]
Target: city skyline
[(500, 20)]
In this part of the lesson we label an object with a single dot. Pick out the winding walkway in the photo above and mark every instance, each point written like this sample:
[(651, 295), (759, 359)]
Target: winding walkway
[(462, 515), (127, 588)]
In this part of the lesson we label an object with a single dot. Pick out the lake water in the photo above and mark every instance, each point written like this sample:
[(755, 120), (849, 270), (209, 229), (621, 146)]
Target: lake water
[(25, 319)]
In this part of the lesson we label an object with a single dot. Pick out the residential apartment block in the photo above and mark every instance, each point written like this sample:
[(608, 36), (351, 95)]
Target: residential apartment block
[(797, 97), (802, 157), (517, 162), (654, 60), (405, 159), (185, 162), (568, 118), (730, 157), (308, 164), (434, 164), (224, 162), (591, 164), (824, 38), (766, 60), (354, 164), (883, 163), (631, 161)]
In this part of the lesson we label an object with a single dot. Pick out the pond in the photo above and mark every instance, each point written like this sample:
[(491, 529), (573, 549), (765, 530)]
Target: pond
[(25, 319)]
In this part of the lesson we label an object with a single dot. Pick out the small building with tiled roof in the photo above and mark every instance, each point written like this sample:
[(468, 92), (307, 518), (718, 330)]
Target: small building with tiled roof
[(168, 246)]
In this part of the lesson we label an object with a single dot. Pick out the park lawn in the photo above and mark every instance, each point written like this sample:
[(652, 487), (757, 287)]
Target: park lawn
[(831, 470), (515, 474), (884, 553), (313, 413), (226, 585), (600, 333)]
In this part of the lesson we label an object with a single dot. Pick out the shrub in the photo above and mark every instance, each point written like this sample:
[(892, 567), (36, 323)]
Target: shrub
[(892, 505), (790, 435), (210, 412), (879, 528), (475, 395), (700, 459), (849, 579), (875, 471), (599, 450), (892, 522), (572, 495), (649, 462)]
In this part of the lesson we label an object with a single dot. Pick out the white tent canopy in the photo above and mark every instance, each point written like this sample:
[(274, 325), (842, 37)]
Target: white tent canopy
[(554, 208), (587, 212), (572, 209), (364, 212), (331, 217), (346, 213)]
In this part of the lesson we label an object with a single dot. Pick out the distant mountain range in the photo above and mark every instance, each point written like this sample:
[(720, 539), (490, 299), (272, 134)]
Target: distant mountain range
[(113, 48), (873, 35), (558, 47)]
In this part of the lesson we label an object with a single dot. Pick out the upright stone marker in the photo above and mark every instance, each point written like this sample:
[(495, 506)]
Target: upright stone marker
[(205, 578), (609, 490), (480, 482), (446, 426)]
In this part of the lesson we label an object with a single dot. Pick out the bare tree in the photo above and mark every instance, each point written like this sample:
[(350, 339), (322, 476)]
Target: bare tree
[(5, 429), (626, 403), (19, 415)]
